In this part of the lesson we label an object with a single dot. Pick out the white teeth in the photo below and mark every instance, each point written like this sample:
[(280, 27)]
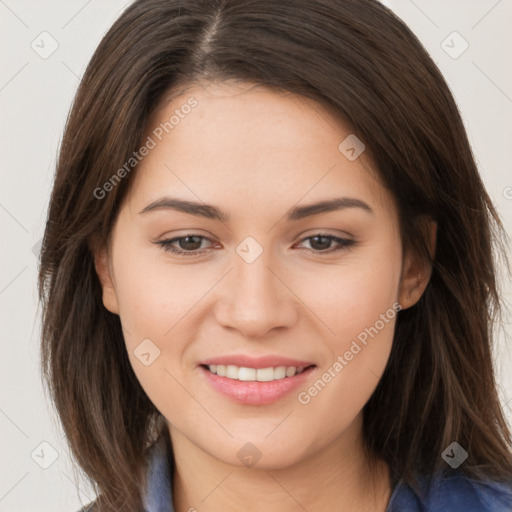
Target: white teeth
[(252, 374), (290, 372), (243, 373), (264, 374), (280, 372), (231, 372)]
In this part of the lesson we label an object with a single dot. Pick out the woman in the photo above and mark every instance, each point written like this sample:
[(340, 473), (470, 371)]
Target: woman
[(267, 272)]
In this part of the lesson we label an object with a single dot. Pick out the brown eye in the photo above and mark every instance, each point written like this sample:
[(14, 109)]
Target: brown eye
[(188, 245), (322, 243)]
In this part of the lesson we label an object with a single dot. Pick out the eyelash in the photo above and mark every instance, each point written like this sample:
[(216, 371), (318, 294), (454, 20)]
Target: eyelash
[(166, 245)]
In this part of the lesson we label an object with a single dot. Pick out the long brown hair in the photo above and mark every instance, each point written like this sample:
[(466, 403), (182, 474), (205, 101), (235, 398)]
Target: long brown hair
[(359, 60)]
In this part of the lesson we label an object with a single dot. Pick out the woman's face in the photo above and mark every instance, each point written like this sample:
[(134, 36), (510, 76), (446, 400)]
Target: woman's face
[(267, 279)]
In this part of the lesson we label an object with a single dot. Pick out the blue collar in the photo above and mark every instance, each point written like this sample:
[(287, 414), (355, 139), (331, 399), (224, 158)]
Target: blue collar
[(451, 493), (158, 495)]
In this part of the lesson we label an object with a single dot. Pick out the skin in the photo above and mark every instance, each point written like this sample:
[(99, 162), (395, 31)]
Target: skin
[(255, 153)]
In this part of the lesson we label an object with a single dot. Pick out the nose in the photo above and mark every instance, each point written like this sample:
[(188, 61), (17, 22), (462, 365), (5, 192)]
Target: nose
[(255, 299)]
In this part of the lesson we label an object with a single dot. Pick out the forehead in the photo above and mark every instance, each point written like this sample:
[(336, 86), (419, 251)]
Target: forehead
[(211, 140)]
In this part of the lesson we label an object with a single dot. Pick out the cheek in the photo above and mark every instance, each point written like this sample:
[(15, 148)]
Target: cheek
[(153, 294), (152, 302), (351, 296), (357, 304)]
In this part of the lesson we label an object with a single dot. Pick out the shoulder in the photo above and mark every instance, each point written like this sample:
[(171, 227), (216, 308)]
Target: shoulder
[(453, 493)]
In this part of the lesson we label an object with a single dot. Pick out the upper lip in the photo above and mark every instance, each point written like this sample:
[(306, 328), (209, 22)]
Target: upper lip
[(256, 362)]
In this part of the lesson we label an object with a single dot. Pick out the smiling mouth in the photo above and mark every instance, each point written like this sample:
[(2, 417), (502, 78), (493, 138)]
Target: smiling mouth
[(256, 386), (246, 374)]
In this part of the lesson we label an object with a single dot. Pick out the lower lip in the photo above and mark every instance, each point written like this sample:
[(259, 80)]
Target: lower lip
[(255, 392)]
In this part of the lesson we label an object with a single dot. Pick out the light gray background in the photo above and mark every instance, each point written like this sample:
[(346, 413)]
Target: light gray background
[(35, 96)]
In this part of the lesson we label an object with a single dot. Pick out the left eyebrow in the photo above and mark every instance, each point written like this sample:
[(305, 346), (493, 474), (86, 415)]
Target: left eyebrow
[(294, 214), (329, 205)]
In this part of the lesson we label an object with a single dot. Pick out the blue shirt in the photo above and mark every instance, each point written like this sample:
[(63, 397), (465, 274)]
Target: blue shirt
[(456, 493)]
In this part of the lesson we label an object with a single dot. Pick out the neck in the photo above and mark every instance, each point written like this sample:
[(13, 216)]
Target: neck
[(339, 476)]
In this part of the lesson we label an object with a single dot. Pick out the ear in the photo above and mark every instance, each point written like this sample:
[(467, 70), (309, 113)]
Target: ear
[(417, 269), (104, 271)]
